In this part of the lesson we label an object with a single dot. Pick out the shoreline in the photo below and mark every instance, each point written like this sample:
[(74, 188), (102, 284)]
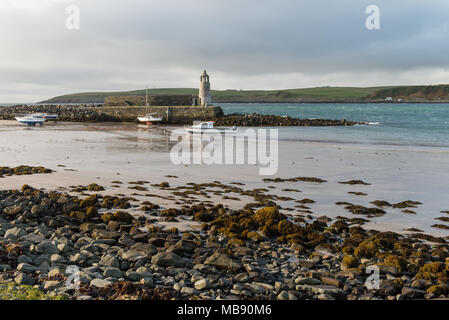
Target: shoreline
[(180, 235)]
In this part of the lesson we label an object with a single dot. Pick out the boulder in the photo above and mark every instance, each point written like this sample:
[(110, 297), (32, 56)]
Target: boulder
[(222, 261), (167, 259)]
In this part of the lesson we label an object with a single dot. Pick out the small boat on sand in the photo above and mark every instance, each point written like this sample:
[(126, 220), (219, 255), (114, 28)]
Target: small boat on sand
[(149, 119), (46, 116), (204, 126), (31, 120)]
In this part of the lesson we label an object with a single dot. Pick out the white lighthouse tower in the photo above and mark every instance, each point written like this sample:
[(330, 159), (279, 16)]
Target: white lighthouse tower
[(204, 92)]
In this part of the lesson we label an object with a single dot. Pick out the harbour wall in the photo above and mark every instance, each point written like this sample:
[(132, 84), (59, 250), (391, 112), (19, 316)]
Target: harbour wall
[(170, 114)]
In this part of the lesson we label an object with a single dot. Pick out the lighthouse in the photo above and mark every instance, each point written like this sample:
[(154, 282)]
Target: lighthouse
[(204, 92)]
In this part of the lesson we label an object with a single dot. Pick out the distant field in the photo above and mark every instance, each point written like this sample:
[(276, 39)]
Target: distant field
[(321, 94)]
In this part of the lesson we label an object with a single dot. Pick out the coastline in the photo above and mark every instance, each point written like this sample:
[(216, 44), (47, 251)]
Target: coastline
[(162, 230)]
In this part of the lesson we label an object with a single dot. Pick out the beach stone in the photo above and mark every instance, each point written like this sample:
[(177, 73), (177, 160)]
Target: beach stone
[(331, 281), (222, 261), (14, 233), (100, 283), (26, 267), (188, 290), (144, 272), (25, 279), (33, 238), (283, 295), (312, 281), (132, 275), (44, 267), (202, 284), (421, 284), (139, 251), (126, 240), (388, 270), (41, 259), (111, 272), (84, 298), (24, 259), (412, 293), (5, 267), (324, 296), (51, 285), (147, 282), (88, 227), (322, 289), (109, 260), (35, 209), (167, 259), (54, 272), (57, 258), (46, 247)]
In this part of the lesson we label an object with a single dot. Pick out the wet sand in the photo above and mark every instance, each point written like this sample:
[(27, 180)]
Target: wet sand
[(103, 153)]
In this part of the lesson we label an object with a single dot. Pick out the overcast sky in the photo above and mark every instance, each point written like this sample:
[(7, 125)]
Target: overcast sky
[(243, 44)]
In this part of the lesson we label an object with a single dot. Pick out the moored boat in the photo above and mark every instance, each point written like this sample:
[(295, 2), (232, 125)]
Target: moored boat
[(47, 117), (205, 126), (149, 118), (31, 120)]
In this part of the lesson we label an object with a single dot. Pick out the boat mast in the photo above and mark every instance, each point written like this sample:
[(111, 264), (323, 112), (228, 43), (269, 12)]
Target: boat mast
[(146, 99)]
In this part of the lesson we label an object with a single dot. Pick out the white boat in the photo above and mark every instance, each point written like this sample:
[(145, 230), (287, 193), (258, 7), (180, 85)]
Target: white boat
[(204, 126), (47, 117), (31, 120), (148, 118), (201, 127)]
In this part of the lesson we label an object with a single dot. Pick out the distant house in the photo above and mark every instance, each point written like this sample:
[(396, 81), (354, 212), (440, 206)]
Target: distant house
[(389, 99)]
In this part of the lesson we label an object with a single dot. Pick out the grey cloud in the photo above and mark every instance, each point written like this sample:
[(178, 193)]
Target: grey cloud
[(244, 44)]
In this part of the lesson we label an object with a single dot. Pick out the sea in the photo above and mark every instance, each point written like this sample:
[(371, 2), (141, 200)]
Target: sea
[(413, 124), (409, 124)]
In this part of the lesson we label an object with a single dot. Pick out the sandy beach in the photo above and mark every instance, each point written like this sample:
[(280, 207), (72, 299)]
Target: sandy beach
[(82, 154)]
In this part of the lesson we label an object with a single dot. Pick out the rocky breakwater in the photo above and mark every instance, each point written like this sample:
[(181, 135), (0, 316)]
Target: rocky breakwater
[(71, 113), (258, 120), (242, 254)]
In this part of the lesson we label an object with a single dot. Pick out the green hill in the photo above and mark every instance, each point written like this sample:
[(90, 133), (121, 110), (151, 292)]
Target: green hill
[(319, 94)]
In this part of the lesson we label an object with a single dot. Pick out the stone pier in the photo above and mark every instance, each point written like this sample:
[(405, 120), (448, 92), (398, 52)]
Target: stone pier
[(170, 114)]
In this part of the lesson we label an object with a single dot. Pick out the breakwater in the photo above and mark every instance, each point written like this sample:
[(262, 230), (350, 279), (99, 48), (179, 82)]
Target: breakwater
[(100, 113), (170, 115), (258, 120)]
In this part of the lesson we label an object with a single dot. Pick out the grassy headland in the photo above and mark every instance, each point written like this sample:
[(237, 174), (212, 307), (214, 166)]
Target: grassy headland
[(436, 93)]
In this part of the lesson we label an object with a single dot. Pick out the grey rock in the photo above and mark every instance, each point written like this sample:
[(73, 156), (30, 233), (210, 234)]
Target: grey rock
[(202, 284), (14, 233), (167, 259), (139, 251), (111, 272), (109, 261), (24, 259), (311, 281), (26, 267), (100, 283), (283, 295), (222, 261), (412, 293), (25, 279), (51, 285), (147, 282), (47, 247)]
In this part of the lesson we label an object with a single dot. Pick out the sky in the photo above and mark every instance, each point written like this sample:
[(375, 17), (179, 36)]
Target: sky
[(243, 44)]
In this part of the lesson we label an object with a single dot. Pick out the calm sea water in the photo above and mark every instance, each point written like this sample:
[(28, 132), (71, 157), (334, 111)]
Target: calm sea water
[(419, 124)]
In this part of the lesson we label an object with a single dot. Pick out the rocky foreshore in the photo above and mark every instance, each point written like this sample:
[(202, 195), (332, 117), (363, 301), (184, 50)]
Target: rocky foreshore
[(258, 120), (253, 253), (70, 113), (91, 113)]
